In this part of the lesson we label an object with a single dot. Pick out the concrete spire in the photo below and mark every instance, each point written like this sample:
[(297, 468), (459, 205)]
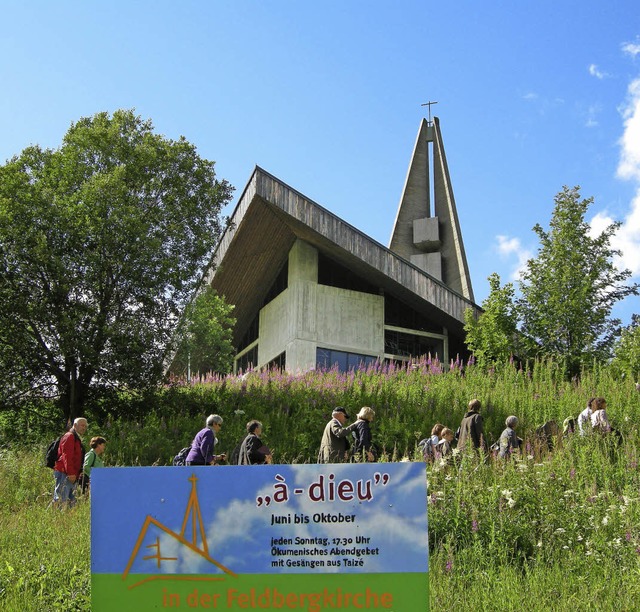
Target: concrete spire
[(430, 236)]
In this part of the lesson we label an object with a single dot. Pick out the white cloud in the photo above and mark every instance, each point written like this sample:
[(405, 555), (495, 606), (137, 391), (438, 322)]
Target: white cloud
[(629, 166), (631, 49), (508, 247), (627, 238), (596, 72)]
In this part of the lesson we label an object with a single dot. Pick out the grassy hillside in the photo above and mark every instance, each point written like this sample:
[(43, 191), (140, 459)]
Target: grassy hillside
[(543, 531)]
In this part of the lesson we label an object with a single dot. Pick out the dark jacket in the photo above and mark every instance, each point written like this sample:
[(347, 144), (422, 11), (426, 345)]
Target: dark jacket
[(362, 439), (252, 451), (471, 431)]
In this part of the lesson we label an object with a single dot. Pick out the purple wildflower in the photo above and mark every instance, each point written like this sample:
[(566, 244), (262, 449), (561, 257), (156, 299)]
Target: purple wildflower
[(449, 566), (474, 526), (572, 473)]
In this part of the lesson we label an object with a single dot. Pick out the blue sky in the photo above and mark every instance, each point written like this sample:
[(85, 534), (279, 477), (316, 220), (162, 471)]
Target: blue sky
[(327, 96)]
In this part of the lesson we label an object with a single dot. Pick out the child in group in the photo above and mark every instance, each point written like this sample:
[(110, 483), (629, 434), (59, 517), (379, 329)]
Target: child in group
[(428, 445), (444, 448), (509, 441), (584, 418)]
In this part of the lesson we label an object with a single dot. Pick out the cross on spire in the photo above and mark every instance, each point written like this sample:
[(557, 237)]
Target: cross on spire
[(429, 105)]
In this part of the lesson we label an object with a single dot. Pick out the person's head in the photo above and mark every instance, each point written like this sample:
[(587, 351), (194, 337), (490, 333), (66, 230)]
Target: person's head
[(599, 403), (214, 422), (254, 427), (511, 421), (446, 434), (80, 425), (340, 414), (97, 444), (366, 414), (590, 402), (474, 405), (436, 430)]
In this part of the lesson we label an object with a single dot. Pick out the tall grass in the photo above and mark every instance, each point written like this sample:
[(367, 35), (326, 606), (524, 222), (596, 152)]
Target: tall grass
[(546, 530)]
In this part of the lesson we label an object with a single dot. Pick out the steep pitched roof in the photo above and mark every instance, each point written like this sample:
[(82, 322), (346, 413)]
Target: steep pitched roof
[(267, 220)]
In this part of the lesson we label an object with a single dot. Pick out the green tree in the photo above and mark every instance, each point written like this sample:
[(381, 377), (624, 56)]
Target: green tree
[(626, 353), (493, 336), (206, 336), (102, 242), (569, 289)]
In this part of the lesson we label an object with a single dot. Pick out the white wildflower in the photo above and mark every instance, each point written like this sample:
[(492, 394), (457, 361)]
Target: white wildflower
[(239, 412), (511, 503), (506, 493), (560, 530), (605, 520)]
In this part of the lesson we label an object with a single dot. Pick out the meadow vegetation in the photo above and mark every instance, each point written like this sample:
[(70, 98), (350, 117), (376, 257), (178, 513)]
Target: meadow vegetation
[(546, 530)]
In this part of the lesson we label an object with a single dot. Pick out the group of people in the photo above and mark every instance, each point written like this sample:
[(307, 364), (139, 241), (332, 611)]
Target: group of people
[(250, 451), (340, 443), (470, 434), (336, 447), (73, 466)]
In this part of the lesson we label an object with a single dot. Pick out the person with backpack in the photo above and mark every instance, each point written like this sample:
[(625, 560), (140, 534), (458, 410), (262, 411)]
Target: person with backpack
[(92, 459), (428, 445), (68, 465), (203, 445), (509, 441)]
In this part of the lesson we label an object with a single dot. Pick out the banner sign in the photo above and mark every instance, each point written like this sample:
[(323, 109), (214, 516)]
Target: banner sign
[(267, 537)]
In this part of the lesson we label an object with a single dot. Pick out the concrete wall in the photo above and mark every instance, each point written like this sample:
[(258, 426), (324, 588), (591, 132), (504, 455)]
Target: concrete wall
[(306, 315)]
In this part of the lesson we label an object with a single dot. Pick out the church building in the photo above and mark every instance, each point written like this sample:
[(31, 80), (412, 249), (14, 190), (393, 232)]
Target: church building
[(311, 291)]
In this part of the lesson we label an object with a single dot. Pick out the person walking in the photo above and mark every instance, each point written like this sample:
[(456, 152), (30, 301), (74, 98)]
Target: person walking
[(203, 445), (584, 418), (92, 459), (252, 450), (334, 445), (68, 466), (471, 432), (362, 447), (508, 441)]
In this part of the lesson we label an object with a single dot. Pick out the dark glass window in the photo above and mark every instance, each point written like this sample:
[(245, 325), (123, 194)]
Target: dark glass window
[(249, 360), (398, 314), (410, 345), (327, 359), (278, 363), (333, 274), (252, 333), (279, 285)]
